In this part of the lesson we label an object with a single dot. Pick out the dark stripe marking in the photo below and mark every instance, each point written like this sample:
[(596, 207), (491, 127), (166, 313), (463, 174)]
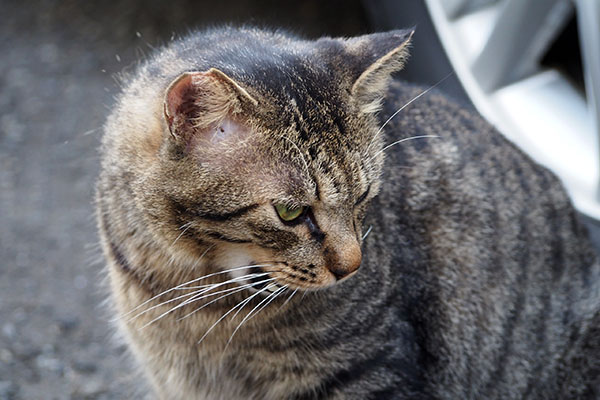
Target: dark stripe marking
[(114, 249), (145, 281), (514, 318), (224, 238), (227, 216), (376, 363), (304, 135), (317, 190), (119, 257), (363, 196), (313, 227), (184, 209)]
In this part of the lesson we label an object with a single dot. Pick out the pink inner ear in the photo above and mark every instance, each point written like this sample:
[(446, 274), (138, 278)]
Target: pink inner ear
[(177, 94), (195, 103)]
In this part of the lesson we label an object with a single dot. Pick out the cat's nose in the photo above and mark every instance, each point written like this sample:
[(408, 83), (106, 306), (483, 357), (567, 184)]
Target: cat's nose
[(348, 261)]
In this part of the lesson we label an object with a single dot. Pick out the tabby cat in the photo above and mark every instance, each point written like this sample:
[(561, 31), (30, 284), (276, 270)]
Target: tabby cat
[(258, 248)]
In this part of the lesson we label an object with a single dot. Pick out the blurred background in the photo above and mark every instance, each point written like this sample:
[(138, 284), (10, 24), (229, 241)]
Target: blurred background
[(58, 65)]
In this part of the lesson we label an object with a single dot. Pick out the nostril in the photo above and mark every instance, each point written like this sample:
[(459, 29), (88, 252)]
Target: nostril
[(341, 273), (338, 273)]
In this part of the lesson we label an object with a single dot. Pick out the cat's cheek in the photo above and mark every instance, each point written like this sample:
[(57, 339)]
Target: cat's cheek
[(235, 258), (244, 259)]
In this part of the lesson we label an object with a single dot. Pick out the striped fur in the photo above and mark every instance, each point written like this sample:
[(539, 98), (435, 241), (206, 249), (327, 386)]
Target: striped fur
[(476, 281)]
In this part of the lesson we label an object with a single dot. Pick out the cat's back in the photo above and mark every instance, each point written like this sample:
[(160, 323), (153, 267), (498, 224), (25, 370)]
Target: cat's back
[(506, 286)]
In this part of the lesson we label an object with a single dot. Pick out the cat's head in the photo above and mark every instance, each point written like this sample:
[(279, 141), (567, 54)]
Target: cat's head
[(271, 159)]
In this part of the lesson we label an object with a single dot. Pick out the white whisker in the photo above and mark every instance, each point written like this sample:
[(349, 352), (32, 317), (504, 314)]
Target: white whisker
[(237, 289), (268, 287), (288, 299), (247, 285), (162, 304), (202, 292), (194, 287), (190, 282), (404, 140), (233, 279), (240, 304), (195, 296), (187, 226), (272, 296), (367, 232), (91, 131), (202, 255), (424, 92)]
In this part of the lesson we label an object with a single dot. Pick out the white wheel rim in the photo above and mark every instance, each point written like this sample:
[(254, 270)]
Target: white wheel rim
[(495, 47)]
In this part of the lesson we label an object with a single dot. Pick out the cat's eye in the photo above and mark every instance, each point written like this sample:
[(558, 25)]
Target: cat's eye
[(289, 214)]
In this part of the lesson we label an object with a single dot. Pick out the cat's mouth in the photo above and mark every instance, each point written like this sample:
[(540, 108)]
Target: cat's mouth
[(259, 283), (288, 276)]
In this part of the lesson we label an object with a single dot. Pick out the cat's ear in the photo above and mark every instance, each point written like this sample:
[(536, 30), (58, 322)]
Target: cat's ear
[(196, 102), (377, 56)]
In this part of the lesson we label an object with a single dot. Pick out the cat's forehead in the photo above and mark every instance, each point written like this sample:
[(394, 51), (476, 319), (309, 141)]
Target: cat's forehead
[(314, 119), (301, 86), (322, 169), (311, 102)]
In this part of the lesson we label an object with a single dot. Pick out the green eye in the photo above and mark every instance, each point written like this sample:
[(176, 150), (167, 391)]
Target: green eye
[(288, 214)]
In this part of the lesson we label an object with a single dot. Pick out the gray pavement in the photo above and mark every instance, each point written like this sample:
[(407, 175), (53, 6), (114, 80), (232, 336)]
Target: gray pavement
[(58, 60)]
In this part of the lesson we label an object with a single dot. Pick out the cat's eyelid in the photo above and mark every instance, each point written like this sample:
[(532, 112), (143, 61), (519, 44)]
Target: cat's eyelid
[(291, 203), (363, 196)]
